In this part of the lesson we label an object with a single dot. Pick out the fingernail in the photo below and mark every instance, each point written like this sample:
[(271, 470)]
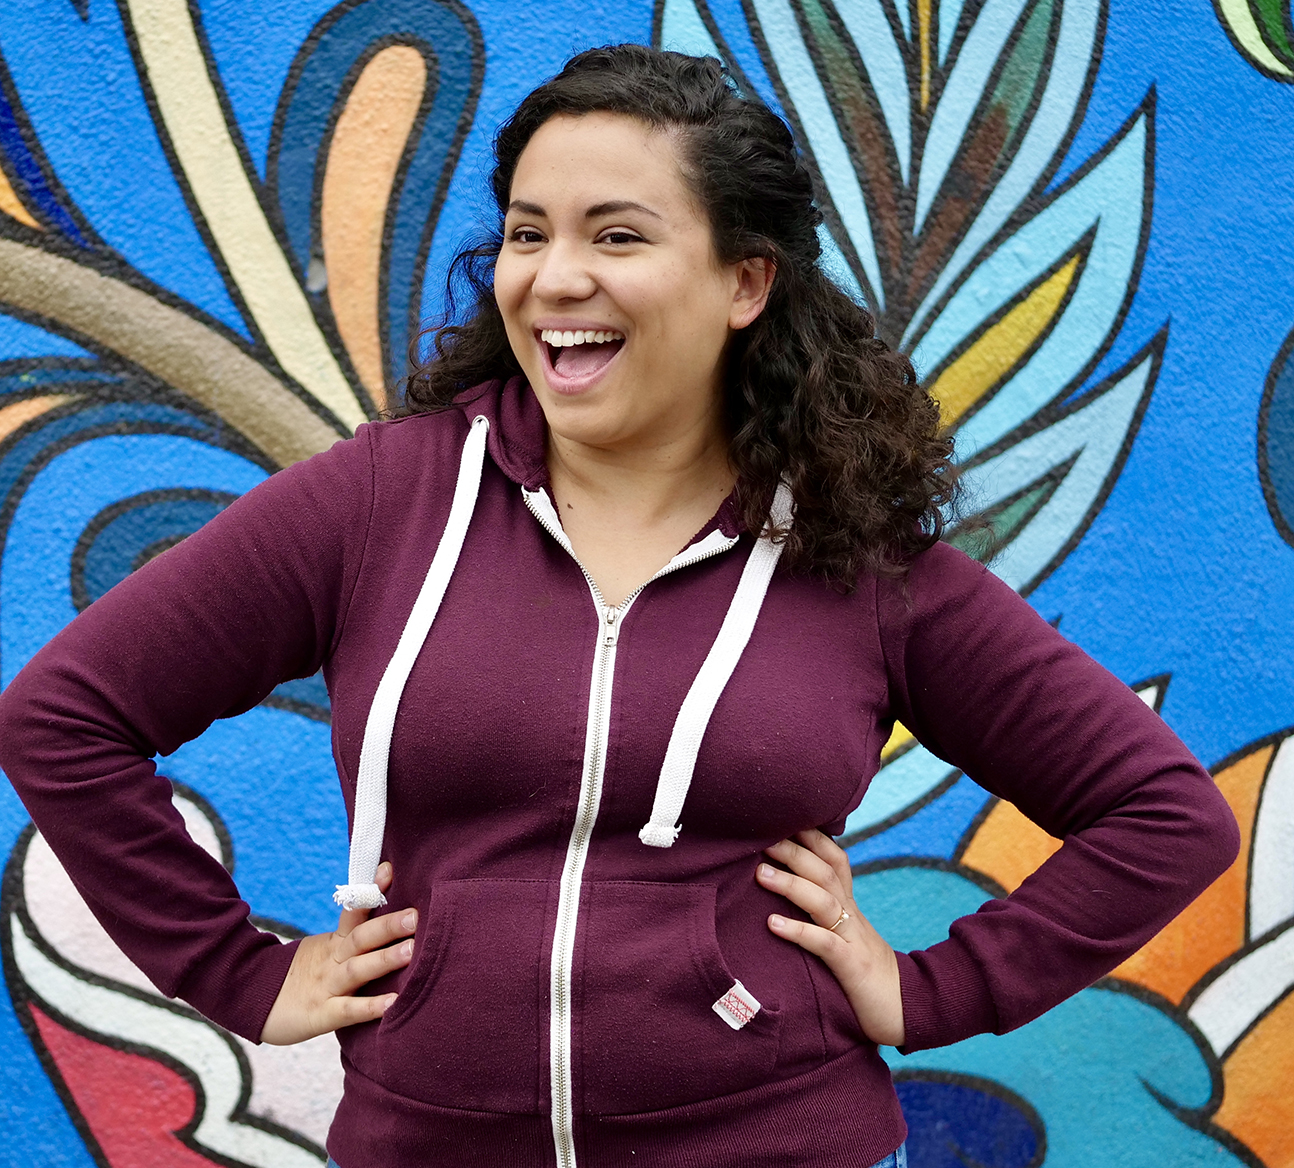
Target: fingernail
[(383, 870), (766, 871), (406, 950), (777, 922), (390, 1001), (410, 921)]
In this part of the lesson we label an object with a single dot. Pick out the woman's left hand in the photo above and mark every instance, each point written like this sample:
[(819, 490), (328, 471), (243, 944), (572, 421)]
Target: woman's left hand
[(819, 882)]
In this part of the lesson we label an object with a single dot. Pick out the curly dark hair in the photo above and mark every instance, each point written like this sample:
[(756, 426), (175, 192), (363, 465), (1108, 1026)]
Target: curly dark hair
[(812, 394)]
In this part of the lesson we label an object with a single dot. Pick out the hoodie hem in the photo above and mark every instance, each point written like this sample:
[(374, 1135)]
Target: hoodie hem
[(842, 1113)]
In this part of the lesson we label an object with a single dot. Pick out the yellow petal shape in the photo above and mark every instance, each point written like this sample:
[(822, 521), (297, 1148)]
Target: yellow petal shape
[(363, 159), (12, 205), (899, 737), (1213, 927), (1008, 847), (1258, 1102), (993, 355)]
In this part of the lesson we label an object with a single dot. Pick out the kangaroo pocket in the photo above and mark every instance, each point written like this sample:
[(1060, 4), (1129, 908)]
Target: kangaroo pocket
[(645, 1033), (465, 1031)]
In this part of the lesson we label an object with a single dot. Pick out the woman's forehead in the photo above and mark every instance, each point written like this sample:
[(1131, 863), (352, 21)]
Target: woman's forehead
[(600, 160)]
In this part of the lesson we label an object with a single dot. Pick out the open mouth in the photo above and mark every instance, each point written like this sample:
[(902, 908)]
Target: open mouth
[(579, 355)]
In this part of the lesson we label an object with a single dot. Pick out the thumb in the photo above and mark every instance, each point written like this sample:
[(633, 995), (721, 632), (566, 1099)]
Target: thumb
[(350, 918)]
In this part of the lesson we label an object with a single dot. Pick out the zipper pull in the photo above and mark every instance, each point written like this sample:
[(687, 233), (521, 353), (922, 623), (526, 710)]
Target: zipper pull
[(611, 617)]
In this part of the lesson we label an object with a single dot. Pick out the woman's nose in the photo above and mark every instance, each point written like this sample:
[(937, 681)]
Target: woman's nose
[(563, 274)]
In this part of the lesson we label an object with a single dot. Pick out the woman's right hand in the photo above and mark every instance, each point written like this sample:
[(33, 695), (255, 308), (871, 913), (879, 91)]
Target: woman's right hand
[(318, 994)]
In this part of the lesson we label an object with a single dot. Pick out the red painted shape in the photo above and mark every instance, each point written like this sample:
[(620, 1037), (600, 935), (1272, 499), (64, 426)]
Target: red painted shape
[(132, 1104)]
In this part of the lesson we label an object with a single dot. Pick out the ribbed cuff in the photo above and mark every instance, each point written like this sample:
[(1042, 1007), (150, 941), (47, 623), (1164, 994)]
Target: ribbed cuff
[(237, 987), (945, 997)]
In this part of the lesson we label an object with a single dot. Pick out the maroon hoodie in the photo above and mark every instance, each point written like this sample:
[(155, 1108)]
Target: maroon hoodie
[(504, 1048)]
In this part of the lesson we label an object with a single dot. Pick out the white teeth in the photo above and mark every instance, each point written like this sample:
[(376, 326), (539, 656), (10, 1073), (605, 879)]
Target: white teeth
[(563, 338)]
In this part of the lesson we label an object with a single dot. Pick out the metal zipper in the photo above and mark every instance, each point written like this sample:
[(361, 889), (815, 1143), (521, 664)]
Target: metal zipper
[(568, 901)]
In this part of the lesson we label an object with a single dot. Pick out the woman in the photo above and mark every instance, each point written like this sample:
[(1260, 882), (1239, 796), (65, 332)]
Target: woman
[(571, 750)]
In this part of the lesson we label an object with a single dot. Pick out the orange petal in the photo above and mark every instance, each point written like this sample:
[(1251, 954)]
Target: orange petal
[(1258, 1104), (363, 160)]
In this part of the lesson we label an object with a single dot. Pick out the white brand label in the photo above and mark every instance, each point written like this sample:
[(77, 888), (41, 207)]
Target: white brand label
[(737, 1007)]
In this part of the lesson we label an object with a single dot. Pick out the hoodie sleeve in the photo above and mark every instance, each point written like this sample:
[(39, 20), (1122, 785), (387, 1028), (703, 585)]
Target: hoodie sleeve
[(986, 684), (203, 631)]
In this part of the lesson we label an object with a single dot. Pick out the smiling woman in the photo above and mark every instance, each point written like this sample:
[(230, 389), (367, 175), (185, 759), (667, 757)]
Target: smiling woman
[(616, 618)]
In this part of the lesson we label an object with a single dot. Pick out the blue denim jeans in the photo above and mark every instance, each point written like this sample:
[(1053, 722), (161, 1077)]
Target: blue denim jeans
[(896, 1159)]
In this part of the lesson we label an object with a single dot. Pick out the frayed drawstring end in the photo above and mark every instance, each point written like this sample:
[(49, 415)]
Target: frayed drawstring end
[(354, 896), (659, 835)]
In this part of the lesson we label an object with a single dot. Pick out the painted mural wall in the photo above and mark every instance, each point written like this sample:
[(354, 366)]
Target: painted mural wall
[(221, 224)]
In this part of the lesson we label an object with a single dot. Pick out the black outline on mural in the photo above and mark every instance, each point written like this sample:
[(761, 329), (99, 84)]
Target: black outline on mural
[(1152, 350), (56, 189), (13, 907), (1283, 363), (1198, 1119), (1244, 53), (108, 264), (117, 380), (1012, 145), (835, 224), (1082, 250), (935, 863), (258, 349), (1039, 198), (1274, 740), (985, 1086), (908, 810), (1034, 202), (268, 207), (76, 571), (1034, 206), (449, 167)]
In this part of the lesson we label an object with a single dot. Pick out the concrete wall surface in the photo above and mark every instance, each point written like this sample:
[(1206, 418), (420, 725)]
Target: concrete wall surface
[(221, 222)]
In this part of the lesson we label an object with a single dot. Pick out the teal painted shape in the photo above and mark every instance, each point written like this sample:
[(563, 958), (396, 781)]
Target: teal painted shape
[(912, 906), (1088, 1067), (908, 778)]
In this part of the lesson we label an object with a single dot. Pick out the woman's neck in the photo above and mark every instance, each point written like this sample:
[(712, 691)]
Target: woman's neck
[(629, 510)]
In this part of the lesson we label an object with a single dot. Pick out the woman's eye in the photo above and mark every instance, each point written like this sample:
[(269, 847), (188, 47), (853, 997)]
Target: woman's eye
[(526, 235), (620, 237)]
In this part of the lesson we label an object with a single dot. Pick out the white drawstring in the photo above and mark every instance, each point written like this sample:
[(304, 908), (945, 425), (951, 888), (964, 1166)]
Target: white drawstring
[(370, 785), (694, 716)]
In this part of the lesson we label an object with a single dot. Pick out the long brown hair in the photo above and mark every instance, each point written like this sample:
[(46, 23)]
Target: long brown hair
[(812, 395)]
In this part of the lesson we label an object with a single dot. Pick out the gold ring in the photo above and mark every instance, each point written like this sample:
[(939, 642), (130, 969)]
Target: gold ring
[(844, 916)]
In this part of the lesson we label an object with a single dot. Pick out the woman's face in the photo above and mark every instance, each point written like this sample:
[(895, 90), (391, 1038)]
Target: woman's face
[(614, 302)]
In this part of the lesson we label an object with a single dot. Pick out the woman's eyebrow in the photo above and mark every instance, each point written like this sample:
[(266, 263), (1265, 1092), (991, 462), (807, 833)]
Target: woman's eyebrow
[(616, 206)]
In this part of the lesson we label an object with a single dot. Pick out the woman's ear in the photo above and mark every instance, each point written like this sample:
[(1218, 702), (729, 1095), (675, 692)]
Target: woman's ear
[(754, 282)]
